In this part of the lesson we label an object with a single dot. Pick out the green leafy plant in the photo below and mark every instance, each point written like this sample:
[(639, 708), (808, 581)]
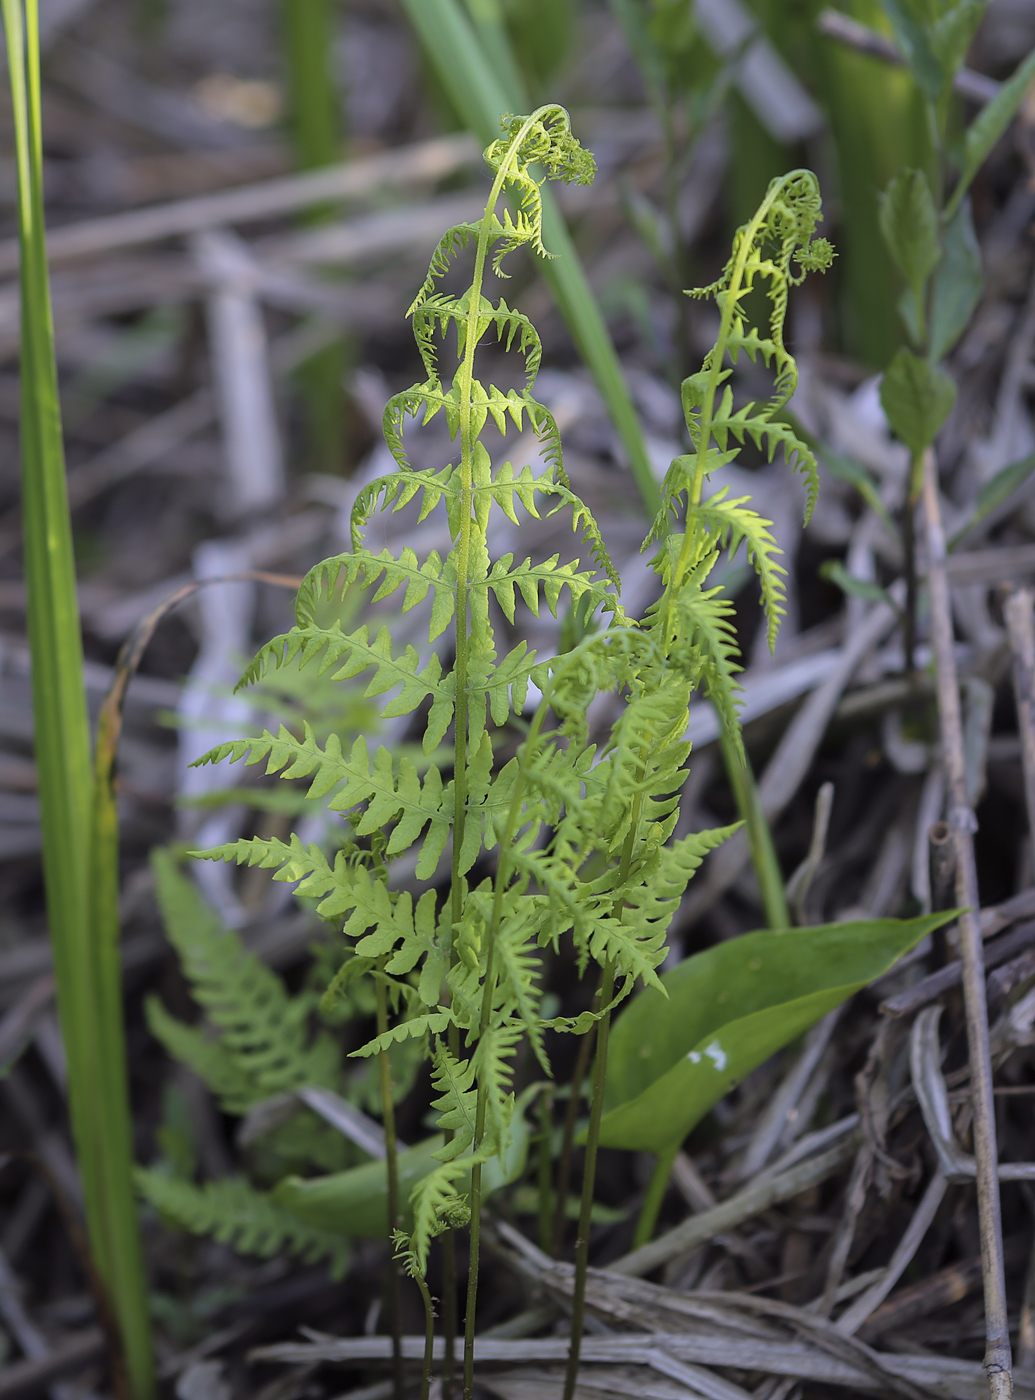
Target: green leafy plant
[(538, 834), (77, 807), (233, 1212), (930, 236), (677, 1051), (470, 51)]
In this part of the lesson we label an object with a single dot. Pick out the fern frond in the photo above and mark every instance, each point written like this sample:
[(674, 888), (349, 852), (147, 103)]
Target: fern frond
[(431, 1198), (730, 522), (417, 1028), (262, 1030), (456, 1104), (235, 1213), (235, 1090), (331, 579), (346, 655)]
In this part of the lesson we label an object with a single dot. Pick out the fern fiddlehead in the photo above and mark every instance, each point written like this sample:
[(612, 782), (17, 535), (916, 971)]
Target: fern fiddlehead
[(578, 836)]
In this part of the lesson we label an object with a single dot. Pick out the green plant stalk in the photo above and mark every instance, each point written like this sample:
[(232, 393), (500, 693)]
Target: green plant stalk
[(81, 896), (313, 118), (760, 838), (589, 1171), (481, 96), (392, 1173), (486, 19), (656, 1189), (449, 1311), (571, 1114), (503, 872), (916, 480), (314, 125), (429, 1336), (465, 381)]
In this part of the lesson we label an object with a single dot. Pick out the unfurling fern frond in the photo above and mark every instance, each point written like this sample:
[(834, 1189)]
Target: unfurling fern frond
[(235, 1213), (776, 249)]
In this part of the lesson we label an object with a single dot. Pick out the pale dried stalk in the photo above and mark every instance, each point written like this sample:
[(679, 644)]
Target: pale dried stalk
[(961, 820), (1019, 611)]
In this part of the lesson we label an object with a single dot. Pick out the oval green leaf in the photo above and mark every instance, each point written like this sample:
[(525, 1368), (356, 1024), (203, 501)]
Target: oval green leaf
[(355, 1202), (673, 1058)]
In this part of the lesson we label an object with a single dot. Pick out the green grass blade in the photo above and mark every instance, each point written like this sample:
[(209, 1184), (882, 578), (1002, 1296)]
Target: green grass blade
[(86, 964), (482, 97), (313, 116)]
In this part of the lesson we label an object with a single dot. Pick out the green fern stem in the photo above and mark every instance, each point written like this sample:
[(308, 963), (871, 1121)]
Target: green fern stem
[(649, 1211), (392, 1175), (596, 1113), (488, 996), (760, 838), (429, 1335), (589, 1171), (465, 380), (571, 1115)]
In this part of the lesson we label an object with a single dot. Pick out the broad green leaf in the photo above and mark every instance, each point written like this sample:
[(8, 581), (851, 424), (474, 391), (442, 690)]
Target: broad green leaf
[(917, 398), (673, 1057), (865, 588), (987, 127), (909, 223), (994, 492), (958, 283), (355, 1202)]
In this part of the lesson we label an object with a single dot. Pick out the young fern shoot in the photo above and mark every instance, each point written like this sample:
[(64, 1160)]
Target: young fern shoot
[(567, 839)]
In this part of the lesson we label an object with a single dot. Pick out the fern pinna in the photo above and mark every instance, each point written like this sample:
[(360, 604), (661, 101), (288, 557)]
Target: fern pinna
[(566, 839)]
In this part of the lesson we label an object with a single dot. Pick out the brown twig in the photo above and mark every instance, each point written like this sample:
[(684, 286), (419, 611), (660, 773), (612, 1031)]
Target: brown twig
[(1019, 612), (768, 1190), (961, 820)]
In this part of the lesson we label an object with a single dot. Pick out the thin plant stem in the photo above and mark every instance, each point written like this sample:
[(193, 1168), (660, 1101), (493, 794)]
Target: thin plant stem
[(760, 839), (449, 1311), (1019, 612), (962, 823), (392, 1173), (578, 1302), (79, 859), (571, 1117), (314, 120), (651, 1207), (429, 1335), (916, 474)]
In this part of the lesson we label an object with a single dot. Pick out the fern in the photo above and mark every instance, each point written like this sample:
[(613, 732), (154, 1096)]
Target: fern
[(264, 1046), (779, 235), (234, 1213), (569, 842)]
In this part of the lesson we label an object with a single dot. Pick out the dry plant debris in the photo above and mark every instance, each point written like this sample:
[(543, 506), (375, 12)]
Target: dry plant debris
[(821, 1228)]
